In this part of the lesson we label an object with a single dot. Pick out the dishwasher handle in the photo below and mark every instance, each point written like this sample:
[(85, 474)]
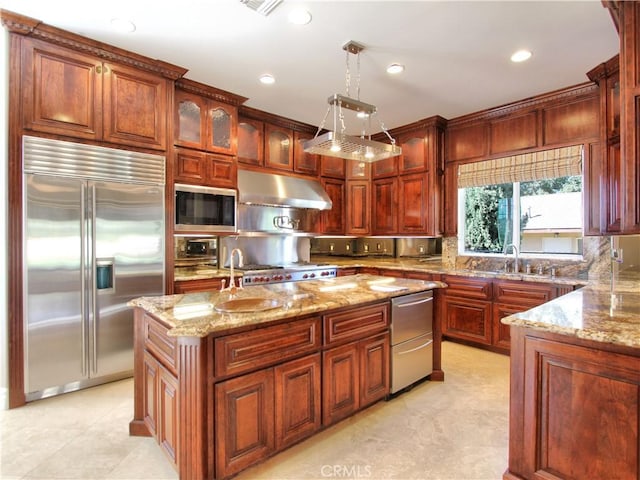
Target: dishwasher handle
[(429, 342), (412, 304)]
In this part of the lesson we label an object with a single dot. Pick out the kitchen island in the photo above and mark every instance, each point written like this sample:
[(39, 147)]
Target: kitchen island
[(575, 386), (224, 381)]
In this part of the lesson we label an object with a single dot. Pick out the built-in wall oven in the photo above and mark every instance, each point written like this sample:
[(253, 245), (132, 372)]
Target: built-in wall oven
[(411, 339)]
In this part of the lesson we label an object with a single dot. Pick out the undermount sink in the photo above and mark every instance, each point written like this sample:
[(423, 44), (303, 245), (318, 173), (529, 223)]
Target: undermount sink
[(248, 304)]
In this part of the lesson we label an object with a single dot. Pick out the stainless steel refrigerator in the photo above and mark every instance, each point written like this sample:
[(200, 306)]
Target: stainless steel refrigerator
[(93, 231)]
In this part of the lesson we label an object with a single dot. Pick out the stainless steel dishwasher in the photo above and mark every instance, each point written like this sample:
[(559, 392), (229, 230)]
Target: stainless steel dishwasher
[(411, 339)]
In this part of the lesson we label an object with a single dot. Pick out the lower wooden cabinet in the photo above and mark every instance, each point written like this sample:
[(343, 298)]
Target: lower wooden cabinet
[(161, 405), (574, 409), (467, 319), (260, 413), (191, 286), (355, 375)]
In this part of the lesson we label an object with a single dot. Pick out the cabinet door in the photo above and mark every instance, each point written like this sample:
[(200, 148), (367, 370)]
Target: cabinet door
[(467, 319), (150, 393), (413, 198), (278, 149), (190, 166), (413, 158), (502, 332), (303, 162), (62, 91), (191, 286), (332, 167), (340, 383), (190, 117), (297, 400), (250, 142), (221, 128), (385, 209), (358, 207), (374, 369), (358, 170), (168, 414), (611, 190), (135, 107), (244, 422), (333, 220), (385, 168)]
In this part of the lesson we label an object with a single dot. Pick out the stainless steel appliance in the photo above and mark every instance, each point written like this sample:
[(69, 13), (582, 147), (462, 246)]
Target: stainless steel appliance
[(411, 339), (204, 209), (263, 274), (93, 239)]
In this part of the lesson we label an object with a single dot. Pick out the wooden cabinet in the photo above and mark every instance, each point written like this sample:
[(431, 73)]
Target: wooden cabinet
[(332, 167), (303, 162), (467, 319), (201, 168), (355, 374), (573, 408), (333, 221), (203, 285), (358, 207), (244, 422), (385, 168), (160, 405), (415, 195), (346, 271), (414, 156), (278, 147), (66, 92), (385, 206), (250, 141), (297, 400)]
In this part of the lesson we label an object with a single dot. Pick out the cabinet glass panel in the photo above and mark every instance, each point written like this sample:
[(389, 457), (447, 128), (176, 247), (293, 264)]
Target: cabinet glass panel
[(248, 141), (221, 128), (413, 153), (189, 118), (279, 145)]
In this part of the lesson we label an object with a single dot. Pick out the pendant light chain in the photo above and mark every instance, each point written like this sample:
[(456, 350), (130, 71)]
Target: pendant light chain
[(348, 74)]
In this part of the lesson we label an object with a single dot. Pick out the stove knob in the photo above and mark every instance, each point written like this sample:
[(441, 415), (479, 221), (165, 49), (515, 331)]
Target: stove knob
[(288, 277), (324, 274), (305, 275), (313, 275)]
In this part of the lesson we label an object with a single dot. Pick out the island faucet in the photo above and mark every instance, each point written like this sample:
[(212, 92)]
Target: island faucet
[(232, 285), (516, 266)]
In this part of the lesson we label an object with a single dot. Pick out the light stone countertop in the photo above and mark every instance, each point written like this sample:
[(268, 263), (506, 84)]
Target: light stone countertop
[(195, 315), (595, 312)]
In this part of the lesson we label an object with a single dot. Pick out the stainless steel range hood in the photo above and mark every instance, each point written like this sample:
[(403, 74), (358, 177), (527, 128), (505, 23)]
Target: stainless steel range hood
[(257, 188)]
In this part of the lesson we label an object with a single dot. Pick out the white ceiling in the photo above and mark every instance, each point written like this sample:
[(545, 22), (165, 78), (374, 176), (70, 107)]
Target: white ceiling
[(456, 53)]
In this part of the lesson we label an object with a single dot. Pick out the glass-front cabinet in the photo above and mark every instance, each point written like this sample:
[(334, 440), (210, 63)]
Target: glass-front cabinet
[(205, 124)]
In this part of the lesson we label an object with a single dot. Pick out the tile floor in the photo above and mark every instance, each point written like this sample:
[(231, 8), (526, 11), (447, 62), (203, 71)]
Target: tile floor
[(454, 430)]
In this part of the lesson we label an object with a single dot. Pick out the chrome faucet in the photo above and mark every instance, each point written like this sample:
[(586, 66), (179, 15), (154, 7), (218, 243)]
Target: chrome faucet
[(232, 285), (516, 265)]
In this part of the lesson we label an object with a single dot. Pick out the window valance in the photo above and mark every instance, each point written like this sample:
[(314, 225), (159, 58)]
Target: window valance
[(559, 162)]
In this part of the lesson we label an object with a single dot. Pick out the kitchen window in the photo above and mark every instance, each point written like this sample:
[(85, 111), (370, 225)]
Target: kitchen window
[(533, 201)]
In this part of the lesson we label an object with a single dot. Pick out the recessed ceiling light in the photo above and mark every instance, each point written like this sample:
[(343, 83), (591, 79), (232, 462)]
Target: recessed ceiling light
[(299, 16), (123, 25), (395, 68), (267, 79), (521, 56)]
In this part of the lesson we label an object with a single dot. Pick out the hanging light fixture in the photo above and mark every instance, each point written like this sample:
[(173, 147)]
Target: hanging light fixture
[(336, 143)]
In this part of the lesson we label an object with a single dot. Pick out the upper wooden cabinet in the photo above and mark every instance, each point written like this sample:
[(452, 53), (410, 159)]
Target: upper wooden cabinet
[(251, 141), (385, 210), (206, 118), (201, 168), (628, 15), (333, 221), (278, 147), (332, 167), (303, 162), (72, 93), (559, 118), (358, 207)]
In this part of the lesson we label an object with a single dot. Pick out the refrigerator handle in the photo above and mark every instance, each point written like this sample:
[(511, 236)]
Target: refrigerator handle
[(83, 278), (93, 289)]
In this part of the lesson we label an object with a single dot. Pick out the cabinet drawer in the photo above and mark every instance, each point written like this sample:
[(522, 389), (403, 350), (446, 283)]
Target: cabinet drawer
[(522, 293), (243, 352), (356, 323), (159, 343), (468, 287)]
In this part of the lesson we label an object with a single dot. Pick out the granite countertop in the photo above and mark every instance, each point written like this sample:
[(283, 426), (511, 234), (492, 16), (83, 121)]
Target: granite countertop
[(195, 314), (596, 312)]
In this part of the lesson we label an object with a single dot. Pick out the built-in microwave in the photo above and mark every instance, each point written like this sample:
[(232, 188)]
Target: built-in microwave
[(205, 209)]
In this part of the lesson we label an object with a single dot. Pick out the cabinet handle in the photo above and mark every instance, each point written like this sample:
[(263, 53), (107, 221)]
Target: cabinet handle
[(99, 69)]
